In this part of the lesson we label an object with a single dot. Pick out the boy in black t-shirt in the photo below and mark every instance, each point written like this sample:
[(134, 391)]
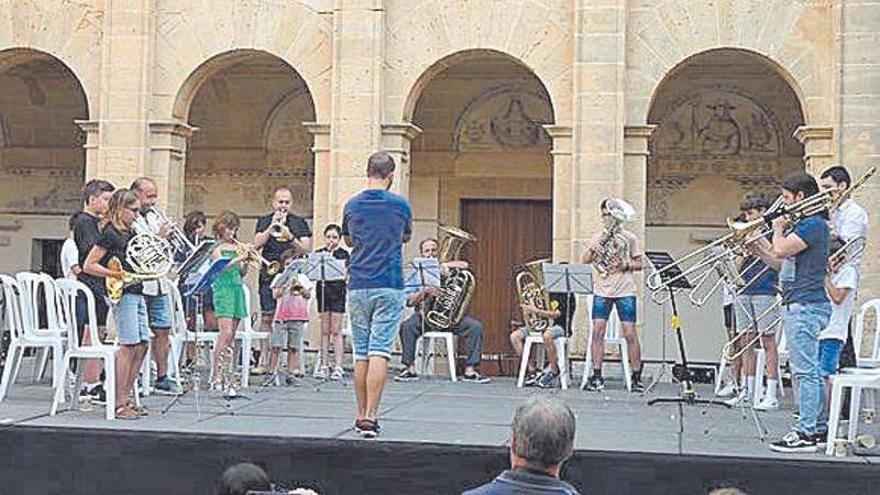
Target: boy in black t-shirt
[(86, 232)]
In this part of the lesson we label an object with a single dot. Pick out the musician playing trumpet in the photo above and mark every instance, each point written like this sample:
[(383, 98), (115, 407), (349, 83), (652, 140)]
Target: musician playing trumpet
[(614, 288), (410, 330), (275, 233)]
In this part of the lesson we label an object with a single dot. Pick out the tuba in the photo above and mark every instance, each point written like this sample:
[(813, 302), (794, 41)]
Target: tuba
[(149, 256), (531, 292), (450, 305), (613, 245)]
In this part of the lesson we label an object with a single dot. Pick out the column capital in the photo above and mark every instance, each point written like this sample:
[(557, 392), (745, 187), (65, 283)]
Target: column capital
[(321, 134), (807, 133), (561, 136), (636, 137), (639, 131), (177, 128), (407, 130)]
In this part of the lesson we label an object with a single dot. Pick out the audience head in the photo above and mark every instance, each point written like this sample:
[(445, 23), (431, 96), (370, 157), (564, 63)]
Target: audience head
[(543, 435), (123, 208), (835, 177), (147, 192), (243, 478), (381, 166), (96, 195)]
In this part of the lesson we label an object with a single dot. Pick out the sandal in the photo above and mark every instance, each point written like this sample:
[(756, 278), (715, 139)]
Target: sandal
[(124, 412)]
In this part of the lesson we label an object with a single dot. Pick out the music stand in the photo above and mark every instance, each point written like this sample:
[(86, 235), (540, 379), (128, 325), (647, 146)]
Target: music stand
[(321, 268), (422, 273), (673, 278)]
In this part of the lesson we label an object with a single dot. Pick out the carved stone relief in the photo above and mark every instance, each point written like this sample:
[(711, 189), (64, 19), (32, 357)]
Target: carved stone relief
[(503, 118)]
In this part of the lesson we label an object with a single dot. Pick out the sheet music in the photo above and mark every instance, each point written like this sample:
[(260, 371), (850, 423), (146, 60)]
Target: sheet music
[(422, 272), (324, 267)]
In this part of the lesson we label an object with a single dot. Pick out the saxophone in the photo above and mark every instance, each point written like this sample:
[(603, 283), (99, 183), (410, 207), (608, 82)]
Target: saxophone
[(450, 305), (613, 245)]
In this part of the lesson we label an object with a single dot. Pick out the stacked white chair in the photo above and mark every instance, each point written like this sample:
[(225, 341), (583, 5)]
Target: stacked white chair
[(68, 290), (613, 336), (864, 377), (20, 317), (40, 288)]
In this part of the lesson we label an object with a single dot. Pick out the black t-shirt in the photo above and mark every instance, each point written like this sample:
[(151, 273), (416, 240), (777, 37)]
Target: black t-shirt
[(86, 232), (567, 305), (273, 249), (115, 241)]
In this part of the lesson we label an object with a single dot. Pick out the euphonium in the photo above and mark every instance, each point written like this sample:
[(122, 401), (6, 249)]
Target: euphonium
[(450, 305), (613, 245), (531, 292), (149, 256)]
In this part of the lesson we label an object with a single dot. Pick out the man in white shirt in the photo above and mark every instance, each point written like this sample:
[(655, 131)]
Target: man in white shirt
[(159, 307), (69, 255)]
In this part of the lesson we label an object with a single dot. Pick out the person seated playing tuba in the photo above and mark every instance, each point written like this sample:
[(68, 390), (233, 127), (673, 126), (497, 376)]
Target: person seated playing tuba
[(410, 330)]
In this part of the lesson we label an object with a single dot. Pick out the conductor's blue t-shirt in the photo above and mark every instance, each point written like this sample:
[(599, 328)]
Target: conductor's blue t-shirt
[(376, 220)]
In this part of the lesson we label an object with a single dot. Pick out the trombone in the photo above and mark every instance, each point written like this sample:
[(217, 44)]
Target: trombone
[(253, 256)]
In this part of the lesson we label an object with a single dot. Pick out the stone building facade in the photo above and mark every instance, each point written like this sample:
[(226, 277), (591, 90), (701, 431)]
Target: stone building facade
[(679, 106)]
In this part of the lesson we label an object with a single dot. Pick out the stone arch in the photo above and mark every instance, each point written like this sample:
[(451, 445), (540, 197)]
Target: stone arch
[(249, 107), (420, 35), (42, 159)]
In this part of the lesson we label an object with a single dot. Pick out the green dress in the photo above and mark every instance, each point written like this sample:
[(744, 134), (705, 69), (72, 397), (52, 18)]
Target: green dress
[(229, 291)]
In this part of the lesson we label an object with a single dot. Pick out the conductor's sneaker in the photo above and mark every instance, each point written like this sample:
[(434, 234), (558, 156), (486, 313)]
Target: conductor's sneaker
[(548, 380), (406, 376), (728, 390), (531, 379), (767, 404), (165, 386), (795, 441), (636, 386), (595, 384), (744, 399), (475, 377)]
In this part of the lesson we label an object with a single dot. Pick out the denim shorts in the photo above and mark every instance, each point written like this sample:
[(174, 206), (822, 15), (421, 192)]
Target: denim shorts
[(267, 302), (555, 330), (829, 356), (374, 314), (626, 308), (159, 310), (286, 334), (751, 307), (130, 317)]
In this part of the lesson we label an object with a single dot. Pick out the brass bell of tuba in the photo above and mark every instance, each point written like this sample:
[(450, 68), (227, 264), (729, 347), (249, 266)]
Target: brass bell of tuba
[(450, 305), (531, 292)]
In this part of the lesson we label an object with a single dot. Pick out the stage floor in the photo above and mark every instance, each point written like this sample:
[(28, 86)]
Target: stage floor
[(438, 411)]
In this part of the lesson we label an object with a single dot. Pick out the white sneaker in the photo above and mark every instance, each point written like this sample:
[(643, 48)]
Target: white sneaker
[(743, 399), (321, 373), (767, 403), (337, 374), (728, 390)]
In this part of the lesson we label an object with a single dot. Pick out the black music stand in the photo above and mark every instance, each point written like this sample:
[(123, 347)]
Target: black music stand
[(321, 268), (672, 278), (423, 273)]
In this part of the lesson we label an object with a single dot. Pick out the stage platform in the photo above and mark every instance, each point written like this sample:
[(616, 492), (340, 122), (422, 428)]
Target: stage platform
[(438, 437)]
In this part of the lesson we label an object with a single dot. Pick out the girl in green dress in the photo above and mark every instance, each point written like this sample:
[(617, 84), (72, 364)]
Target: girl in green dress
[(229, 303)]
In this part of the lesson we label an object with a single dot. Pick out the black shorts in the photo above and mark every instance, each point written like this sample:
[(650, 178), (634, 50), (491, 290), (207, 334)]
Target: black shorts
[(82, 312), (729, 319), (333, 299)]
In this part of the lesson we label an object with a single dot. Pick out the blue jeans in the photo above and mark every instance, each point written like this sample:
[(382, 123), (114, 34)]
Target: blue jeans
[(374, 315), (130, 316), (829, 357), (803, 323)]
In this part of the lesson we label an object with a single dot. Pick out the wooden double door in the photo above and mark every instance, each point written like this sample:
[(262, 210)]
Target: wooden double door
[(509, 233)]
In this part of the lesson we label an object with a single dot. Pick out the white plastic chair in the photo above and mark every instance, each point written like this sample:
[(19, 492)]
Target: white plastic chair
[(864, 377), (426, 355), (536, 339), (23, 337), (760, 361), (246, 335), (612, 337), (68, 289), (40, 287)]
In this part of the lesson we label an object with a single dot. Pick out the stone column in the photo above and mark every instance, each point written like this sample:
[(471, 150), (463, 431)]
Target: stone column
[(126, 89), (563, 192), (358, 55), (599, 70), (396, 140), (858, 135), (321, 149), (90, 128), (635, 173), (818, 144), (168, 146)]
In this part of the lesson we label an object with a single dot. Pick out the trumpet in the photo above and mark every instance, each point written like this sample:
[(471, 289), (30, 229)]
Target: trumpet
[(278, 228), (253, 256)]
